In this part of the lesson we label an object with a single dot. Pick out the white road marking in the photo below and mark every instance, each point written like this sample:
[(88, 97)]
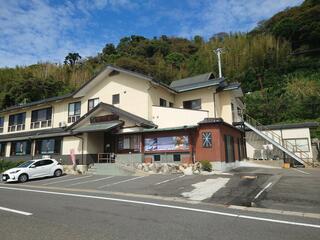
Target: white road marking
[(67, 180), (90, 181), (301, 171), (123, 181), (269, 184), (167, 206), (169, 180), (15, 211)]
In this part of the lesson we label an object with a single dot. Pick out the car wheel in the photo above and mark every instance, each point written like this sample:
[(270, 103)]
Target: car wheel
[(57, 173), (23, 178)]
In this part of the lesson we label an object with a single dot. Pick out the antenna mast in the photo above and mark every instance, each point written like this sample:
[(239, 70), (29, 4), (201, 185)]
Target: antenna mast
[(218, 51)]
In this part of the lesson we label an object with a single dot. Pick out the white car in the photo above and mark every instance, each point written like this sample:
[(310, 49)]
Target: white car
[(32, 169)]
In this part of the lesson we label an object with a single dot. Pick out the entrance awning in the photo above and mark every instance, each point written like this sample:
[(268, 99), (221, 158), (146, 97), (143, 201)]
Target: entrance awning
[(98, 127)]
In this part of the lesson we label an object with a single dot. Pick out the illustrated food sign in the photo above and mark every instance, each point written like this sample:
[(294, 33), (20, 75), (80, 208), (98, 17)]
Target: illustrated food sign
[(166, 143)]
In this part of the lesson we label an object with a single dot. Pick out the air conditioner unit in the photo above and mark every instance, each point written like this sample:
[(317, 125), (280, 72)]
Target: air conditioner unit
[(62, 124)]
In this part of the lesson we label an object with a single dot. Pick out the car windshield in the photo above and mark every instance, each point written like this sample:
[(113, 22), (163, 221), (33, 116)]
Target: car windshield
[(25, 164)]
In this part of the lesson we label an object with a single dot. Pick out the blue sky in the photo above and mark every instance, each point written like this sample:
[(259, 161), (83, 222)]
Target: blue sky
[(46, 30)]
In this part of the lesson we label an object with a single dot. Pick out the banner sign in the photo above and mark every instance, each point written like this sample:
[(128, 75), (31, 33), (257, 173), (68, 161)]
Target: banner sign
[(166, 143), (105, 118)]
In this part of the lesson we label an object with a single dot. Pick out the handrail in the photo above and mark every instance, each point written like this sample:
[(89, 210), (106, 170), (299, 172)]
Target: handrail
[(283, 142), (109, 157)]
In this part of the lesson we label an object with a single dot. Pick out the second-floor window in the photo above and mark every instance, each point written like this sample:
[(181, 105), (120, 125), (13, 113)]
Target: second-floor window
[(163, 102), (74, 112), (17, 122), (41, 118), (192, 104), (1, 124), (92, 103)]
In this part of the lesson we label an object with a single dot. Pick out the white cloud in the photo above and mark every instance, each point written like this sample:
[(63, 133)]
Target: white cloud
[(36, 30), (232, 15)]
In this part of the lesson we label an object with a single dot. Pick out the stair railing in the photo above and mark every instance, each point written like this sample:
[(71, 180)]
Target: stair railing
[(274, 136)]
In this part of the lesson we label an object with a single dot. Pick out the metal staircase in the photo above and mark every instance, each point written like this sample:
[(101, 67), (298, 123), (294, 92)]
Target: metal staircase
[(272, 137)]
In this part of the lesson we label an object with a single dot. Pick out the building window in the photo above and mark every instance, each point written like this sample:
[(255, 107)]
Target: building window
[(92, 103), (115, 98), (163, 102), (1, 124), (297, 145), (192, 104), (156, 158), (170, 104), (17, 122), (229, 148), (176, 157), (20, 148), (129, 143), (2, 149), (207, 139), (74, 112), (41, 118), (48, 146)]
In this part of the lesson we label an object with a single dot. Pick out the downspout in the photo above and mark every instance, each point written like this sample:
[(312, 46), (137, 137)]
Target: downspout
[(82, 144), (214, 104)]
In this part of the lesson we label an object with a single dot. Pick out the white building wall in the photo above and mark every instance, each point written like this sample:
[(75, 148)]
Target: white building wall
[(166, 117), (255, 143)]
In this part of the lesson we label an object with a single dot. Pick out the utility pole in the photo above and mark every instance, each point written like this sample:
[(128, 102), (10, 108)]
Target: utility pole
[(218, 51)]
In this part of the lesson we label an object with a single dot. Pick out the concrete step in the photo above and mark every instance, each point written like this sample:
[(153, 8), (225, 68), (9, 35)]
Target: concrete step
[(110, 169)]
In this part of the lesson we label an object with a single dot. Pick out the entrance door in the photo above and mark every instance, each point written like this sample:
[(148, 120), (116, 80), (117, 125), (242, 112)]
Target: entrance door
[(109, 143)]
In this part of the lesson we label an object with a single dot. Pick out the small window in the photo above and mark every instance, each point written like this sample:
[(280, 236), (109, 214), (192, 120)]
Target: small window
[(163, 102), (156, 158), (92, 103), (116, 99), (170, 104), (176, 157), (206, 139), (192, 104)]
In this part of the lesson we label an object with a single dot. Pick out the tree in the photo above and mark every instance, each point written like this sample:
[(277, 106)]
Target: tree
[(109, 49), (72, 58)]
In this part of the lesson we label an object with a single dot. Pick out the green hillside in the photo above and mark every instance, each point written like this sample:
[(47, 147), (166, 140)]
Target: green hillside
[(280, 86)]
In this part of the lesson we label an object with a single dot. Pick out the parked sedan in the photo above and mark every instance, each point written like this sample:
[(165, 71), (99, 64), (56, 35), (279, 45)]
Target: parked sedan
[(32, 169)]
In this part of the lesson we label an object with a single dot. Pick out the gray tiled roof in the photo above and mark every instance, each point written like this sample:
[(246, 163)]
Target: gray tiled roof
[(47, 100), (51, 132), (116, 111), (232, 86), (98, 127), (195, 82)]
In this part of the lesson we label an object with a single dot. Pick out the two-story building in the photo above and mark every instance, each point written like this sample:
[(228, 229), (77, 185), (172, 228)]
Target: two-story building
[(121, 116)]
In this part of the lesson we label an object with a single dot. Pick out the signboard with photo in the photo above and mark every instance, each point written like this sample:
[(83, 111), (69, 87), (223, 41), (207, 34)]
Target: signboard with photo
[(166, 143)]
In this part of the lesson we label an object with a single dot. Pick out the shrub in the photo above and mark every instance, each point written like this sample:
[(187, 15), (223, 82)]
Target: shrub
[(206, 165), (5, 164)]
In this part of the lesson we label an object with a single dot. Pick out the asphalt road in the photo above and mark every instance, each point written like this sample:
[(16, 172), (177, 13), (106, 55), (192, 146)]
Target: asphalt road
[(81, 215)]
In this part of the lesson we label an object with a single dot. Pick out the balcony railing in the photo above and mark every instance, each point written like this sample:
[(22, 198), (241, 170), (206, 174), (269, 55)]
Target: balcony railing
[(18, 127), (41, 124), (74, 118)]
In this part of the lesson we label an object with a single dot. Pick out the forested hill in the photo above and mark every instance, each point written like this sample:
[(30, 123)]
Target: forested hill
[(280, 86)]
